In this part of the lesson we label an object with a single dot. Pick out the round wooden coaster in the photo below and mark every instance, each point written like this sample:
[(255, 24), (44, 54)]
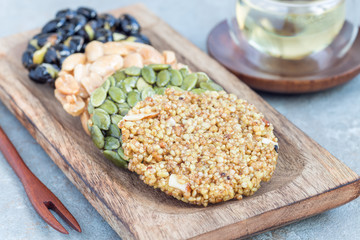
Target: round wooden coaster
[(223, 49)]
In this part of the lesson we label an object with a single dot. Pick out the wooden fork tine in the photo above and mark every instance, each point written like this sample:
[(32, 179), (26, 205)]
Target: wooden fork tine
[(47, 216), (62, 211)]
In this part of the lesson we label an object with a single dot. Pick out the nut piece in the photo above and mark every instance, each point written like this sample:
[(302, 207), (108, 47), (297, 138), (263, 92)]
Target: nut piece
[(169, 57), (140, 116), (92, 82), (66, 84), (84, 118), (107, 65), (151, 55), (71, 61), (133, 59), (75, 105), (94, 50), (117, 48)]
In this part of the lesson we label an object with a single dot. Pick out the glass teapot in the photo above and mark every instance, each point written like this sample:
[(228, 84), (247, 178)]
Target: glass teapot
[(313, 34)]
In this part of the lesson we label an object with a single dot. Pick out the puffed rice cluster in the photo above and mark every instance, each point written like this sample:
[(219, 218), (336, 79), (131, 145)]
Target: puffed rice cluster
[(200, 149)]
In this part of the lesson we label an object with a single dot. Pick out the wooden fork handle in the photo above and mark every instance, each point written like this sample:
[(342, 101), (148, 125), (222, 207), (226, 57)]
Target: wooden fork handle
[(15, 161)]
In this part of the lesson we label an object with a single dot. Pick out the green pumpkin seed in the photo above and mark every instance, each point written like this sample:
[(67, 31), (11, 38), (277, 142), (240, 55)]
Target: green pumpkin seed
[(198, 91), (126, 88), (111, 143), (189, 82), (109, 107), (115, 158), (147, 92), (101, 119), (123, 105), (124, 111), (119, 75), (177, 88), (106, 85), (184, 71), (124, 108), (202, 77), (131, 81), (176, 77), (163, 78), (141, 84), (98, 97), (97, 137), (133, 71), (119, 84), (148, 74), (132, 98), (112, 81), (159, 67), (160, 91), (117, 95), (211, 86), (121, 153), (114, 131), (115, 119)]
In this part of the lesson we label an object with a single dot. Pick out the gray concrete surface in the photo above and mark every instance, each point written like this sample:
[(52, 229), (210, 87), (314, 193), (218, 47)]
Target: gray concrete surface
[(330, 117)]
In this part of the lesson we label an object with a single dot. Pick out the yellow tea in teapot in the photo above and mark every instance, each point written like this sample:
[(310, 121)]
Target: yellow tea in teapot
[(290, 29)]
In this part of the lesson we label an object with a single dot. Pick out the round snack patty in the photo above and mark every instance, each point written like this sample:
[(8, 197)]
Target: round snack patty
[(200, 149)]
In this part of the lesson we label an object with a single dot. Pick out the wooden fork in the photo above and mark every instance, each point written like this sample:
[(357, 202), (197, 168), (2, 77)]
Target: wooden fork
[(39, 195)]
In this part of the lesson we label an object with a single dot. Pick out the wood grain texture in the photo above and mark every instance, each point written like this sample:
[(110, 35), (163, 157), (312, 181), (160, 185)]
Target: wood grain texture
[(234, 58), (308, 179)]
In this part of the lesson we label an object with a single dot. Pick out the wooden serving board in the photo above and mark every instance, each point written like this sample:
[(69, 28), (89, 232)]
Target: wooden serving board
[(308, 179)]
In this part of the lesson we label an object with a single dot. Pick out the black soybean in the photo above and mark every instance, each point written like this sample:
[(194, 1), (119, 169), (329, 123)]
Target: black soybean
[(89, 13), (106, 21), (66, 13), (27, 59), (53, 25), (62, 50), (141, 38), (128, 24), (79, 22), (44, 38), (51, 56), (75, 43), (69, 32), (40, 74), (31, 48), (103, 35)]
